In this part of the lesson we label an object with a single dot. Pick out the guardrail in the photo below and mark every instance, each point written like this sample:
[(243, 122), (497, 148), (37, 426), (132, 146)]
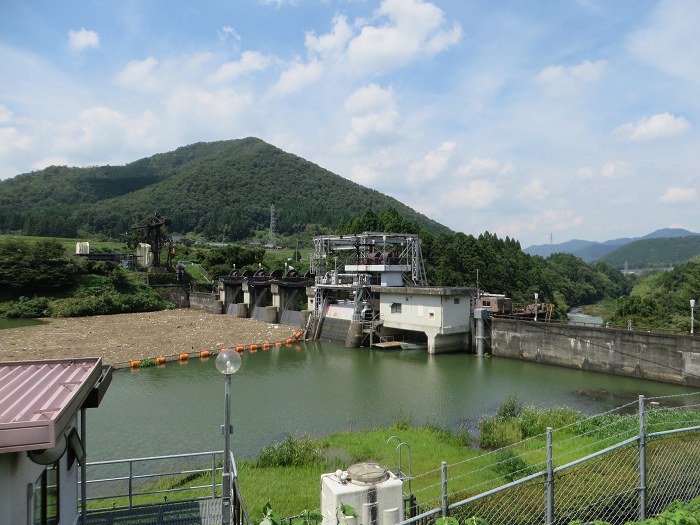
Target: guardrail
[(140, 481)]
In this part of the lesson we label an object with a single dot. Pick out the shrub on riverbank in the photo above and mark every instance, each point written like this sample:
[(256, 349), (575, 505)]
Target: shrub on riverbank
[(514, 422), (114, 292)]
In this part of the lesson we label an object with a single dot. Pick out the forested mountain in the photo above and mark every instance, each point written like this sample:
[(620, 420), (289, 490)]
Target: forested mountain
[(654, 253), (591, 251), (212, 189)]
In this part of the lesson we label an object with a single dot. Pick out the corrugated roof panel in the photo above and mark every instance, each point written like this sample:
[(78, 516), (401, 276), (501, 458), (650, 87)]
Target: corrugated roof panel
[(35, 395)]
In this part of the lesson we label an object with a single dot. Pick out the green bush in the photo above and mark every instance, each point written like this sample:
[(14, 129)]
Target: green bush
[(292, 452), (28, 308), (495, 432), (510, 466)]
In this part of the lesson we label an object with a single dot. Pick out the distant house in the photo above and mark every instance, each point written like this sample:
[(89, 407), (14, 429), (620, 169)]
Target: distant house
[(42, 439)]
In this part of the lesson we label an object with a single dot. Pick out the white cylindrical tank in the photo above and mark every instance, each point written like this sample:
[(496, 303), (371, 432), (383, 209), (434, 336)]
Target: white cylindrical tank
[(82, 248), (373, 491)]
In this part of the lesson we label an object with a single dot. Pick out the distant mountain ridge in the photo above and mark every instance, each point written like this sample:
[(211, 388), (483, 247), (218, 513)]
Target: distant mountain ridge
[(637, 252), (216, 189)]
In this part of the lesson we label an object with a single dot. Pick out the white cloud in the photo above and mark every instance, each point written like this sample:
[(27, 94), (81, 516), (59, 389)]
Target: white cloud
[(5, 115), (481, 166), (374, 117), (567, 80), (229, 33), (11, 141), (676, 194), (652, 128), (140, 75), (534, 189), (476, 195), (433, 165), (249, 62), (615, 170), (364, 174), (83, 39), (412, 29), (332, 43), (298, 76)]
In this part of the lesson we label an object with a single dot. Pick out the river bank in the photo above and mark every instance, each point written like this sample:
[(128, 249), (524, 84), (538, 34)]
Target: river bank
[(121, 338)]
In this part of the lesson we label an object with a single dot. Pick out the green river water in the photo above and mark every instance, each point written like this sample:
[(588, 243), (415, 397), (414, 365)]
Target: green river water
[(320, 388)]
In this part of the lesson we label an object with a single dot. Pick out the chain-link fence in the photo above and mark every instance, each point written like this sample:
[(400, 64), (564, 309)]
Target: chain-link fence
[(622, 465)]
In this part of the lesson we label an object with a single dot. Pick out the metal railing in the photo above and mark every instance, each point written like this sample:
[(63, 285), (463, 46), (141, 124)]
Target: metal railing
[(609, 470), (139, 479)]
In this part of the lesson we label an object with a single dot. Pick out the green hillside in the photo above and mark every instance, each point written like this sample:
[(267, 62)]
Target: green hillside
[(211, 189), (654, 253)]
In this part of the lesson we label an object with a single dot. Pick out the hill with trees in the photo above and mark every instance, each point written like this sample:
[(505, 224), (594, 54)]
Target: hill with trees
[(654, 253), (661, 300), (217, 190), (591, 251)]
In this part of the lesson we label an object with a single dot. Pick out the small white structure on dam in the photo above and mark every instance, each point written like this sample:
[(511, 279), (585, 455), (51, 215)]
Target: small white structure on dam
[(442, 314), (372, 286)]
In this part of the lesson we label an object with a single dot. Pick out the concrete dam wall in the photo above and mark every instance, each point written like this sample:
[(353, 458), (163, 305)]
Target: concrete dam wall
[(659, 357)]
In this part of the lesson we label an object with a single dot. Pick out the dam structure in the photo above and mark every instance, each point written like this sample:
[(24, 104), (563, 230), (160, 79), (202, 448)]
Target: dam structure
[(371, 290)]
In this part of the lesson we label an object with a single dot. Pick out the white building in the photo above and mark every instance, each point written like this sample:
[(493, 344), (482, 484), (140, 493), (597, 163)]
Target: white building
[(443, 314)]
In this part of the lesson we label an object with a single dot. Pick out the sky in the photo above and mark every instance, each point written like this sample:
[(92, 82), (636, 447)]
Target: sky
[(543, 120)]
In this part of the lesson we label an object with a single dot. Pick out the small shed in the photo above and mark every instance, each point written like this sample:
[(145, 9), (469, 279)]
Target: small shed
[(42, 439)]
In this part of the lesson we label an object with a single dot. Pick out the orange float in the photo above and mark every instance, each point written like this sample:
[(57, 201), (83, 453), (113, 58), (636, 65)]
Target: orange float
[(288, 341), (207, 353), (278, 343), (298, 334), (135, 363), (240, 349), (183, 357), (160, 360)]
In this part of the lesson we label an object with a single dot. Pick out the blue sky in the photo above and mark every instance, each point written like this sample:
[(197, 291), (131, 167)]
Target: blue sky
[(544, 119)]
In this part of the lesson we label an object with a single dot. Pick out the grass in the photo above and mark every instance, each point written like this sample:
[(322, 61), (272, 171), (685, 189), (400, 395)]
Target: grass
[(69, 244), (287, 474)]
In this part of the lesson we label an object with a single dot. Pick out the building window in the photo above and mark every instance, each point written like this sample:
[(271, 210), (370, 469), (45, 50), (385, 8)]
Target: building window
[(431, 315), (395, 308), (46, 497), (456, 300)]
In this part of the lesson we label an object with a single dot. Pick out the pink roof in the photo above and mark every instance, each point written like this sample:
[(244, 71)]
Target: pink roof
[(38, 399)]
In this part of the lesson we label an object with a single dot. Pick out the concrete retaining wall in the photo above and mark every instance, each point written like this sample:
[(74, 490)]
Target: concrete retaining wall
[(658, 357), (208, 302), (174, 293)]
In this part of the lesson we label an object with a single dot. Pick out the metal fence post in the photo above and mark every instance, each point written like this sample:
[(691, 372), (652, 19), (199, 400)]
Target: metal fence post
[(549, 510), (444, 489), (213, 475), (642, 462), (131, 478)]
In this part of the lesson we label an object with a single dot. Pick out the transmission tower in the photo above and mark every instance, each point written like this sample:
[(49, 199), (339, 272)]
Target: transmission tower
[(273, 225)]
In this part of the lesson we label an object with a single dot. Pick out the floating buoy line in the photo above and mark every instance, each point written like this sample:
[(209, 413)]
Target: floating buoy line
[(184, 357)]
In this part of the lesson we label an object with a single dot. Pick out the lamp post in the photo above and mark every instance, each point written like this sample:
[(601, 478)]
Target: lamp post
[(692, 316), (227, 362), (536, 305)]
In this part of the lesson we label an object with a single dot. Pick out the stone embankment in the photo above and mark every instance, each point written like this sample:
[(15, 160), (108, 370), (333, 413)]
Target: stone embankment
[(121, 338)]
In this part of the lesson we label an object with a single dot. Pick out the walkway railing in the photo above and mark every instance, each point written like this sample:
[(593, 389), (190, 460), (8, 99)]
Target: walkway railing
[(124, 483), (612, 467)]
